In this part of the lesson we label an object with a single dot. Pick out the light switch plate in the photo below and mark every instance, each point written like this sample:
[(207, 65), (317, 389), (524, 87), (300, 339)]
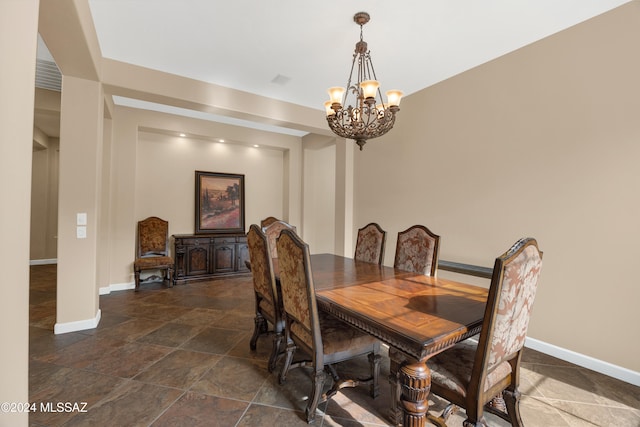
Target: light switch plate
[(81, 218), (81, 232)]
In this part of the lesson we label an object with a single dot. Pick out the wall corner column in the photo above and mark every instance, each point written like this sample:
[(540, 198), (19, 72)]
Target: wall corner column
[(344, 197), (81, 138), (18, 33)]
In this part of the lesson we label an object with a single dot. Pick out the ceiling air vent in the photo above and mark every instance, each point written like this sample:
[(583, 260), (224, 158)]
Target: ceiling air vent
[(48, 75)]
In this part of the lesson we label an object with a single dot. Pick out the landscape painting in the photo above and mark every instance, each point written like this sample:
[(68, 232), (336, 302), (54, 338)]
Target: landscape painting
[(219, 203)]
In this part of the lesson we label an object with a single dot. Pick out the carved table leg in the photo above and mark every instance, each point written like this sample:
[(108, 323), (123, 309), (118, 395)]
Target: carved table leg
[(410, 382), (415, 379)]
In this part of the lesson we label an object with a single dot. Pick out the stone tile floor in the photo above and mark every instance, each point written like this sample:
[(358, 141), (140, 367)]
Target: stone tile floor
[(180, 357)]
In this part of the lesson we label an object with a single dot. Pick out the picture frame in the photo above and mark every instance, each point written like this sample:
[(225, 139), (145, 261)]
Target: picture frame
[(219, 203)]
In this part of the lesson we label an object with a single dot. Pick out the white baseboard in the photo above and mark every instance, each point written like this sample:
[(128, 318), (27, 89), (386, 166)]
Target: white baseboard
[(43, 261), (79, 325), (116, 287), (606, 368)]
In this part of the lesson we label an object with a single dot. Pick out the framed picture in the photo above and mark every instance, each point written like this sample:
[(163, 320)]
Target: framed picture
[(219, 202)]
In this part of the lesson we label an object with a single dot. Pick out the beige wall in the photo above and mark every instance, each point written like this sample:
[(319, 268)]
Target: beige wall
[(319, 198), (178, 159), (542, 142), (18, 31), (103, 249), (44, 202), (44, 181), (153, 174), (328, 194)]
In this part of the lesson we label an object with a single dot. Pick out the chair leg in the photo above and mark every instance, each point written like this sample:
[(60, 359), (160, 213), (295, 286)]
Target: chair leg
[(137, 279), (475, 415), (396, 360), (170, 276), (374, 361), (468, 423), (318, 378), (448, 411), (395, 412), (277, 341), (291, 348), (260, 325), (512, 400)]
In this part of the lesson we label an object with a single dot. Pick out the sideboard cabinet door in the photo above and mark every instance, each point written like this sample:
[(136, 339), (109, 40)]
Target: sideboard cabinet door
[(208, 256), (197, 260), (242, 255), (224, 256)]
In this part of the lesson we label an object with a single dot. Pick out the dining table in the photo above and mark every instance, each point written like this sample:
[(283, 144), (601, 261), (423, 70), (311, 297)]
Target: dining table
[(417, 316)]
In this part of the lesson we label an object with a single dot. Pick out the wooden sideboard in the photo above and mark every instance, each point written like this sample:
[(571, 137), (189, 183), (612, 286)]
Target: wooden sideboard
[(208, 256)]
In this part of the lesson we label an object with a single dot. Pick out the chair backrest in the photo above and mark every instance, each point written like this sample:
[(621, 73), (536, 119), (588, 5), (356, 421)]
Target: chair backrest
[(511, 295), (370, 244), (273, 232), (417, 250), (264, 282), (268, 221), (298, 292), (153, 237)]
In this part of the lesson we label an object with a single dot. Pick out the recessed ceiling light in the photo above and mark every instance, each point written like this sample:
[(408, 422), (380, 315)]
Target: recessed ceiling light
[(221, 140), (182, 135), (256, 145)]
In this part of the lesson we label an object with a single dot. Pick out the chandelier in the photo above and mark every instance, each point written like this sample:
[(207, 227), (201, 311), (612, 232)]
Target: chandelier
[(359, 112)]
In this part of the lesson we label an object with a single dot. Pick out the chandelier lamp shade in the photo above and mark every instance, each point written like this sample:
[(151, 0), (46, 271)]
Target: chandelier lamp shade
[(358, 111)]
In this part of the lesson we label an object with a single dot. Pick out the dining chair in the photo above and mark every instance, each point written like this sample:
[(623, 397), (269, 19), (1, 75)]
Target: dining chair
[(273, 232), (152, 249), (417, 250), (472, 373), (325, 338), (268, 302), (370, 244), (268, 221)]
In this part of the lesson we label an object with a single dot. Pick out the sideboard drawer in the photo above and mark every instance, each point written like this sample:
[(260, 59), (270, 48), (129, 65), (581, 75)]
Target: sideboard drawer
[(224, 240)]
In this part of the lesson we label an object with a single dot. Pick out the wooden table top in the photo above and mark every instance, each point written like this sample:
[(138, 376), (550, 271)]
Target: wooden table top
[(417, 314)]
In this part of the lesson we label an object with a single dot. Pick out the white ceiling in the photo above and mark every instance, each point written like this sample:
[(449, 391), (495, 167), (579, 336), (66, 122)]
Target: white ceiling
[(293, 50)]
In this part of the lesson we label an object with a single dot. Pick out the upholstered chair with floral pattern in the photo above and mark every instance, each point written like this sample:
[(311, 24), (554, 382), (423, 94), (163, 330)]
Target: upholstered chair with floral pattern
[(268, 302), (268, 221), (417, 250), (326, 339), (152, 249), (472, 373), (273, 232), (370, 244)]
